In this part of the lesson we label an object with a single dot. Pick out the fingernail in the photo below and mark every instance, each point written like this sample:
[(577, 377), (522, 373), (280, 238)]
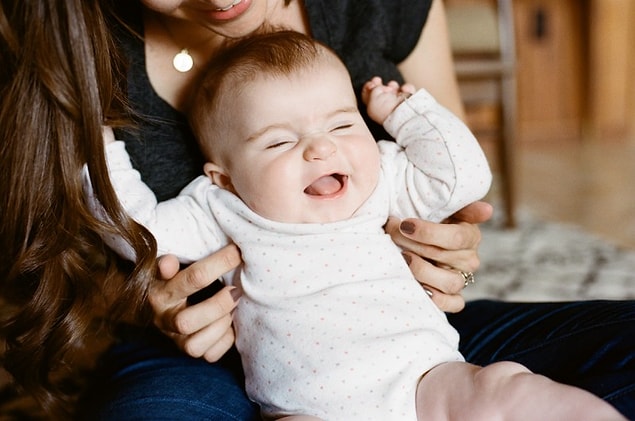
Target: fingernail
[(407, 227), (236, 294), (407, 258)]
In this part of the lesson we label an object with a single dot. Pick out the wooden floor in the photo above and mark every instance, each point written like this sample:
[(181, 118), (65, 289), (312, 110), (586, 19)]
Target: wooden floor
[(590, 184)]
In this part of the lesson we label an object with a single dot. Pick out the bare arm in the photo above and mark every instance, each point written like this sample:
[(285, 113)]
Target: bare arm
[(437, 252), (430, 65)]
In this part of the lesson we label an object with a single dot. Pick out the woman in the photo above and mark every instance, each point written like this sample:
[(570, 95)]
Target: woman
[(57, 81), (57, 86)]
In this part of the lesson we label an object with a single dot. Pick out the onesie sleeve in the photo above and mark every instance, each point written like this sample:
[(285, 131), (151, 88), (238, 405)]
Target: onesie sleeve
[(437, 166), (183, 226)]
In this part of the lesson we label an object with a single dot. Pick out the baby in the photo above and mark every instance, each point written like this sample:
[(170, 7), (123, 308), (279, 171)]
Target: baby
[(331, 323)]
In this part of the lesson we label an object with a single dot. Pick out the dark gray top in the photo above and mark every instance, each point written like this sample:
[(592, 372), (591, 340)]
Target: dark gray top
[(371, 36)]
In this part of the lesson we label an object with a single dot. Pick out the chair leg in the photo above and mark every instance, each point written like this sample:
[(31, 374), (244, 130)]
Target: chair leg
[(506, 149), (506, 165)]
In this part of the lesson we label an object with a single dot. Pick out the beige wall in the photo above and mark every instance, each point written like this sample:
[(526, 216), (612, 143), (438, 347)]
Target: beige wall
[(550, 71), (578, 79), (611, 68)]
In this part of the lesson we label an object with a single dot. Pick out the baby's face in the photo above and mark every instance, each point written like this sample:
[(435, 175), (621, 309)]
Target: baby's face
[(300, 150)]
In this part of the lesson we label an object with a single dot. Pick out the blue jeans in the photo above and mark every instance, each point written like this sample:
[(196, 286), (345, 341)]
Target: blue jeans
[(145, 377), (587, 344)]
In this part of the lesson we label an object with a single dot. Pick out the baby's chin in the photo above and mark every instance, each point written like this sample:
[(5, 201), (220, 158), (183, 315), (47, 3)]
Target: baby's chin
[(328, 214), (312, 215)]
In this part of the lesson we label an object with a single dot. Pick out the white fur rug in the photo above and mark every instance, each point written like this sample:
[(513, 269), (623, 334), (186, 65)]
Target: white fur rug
[(545, 261)]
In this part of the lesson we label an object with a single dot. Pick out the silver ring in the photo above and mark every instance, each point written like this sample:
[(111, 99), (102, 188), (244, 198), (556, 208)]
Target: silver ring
[(468, 277)]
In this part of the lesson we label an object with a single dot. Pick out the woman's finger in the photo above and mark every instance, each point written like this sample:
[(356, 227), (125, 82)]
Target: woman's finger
[(459, 236), (191, 319), (445, 281), (459, 260), (474, 213), (198, 275), (444, 286), (220, 347), (205, 341), (449, 303), (459, 250), (168, 266)]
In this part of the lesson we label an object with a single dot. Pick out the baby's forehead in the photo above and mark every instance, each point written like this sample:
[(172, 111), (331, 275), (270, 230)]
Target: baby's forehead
[(317, 64), (322, 68)]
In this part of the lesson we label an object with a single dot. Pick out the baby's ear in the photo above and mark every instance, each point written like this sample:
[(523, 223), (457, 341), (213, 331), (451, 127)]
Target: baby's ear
[(219, 176)]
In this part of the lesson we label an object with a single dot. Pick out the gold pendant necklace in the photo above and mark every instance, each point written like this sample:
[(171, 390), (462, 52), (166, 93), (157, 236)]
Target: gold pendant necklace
[(183, 61)]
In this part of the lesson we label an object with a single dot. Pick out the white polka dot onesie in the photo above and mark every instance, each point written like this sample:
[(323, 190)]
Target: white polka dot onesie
[(331, 322)]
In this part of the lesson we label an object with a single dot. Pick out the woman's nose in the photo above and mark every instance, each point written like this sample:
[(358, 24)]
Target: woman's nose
[(319, 148)]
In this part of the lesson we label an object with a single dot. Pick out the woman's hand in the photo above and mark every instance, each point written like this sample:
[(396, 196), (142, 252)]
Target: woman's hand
[(203, 329), (437, 253)]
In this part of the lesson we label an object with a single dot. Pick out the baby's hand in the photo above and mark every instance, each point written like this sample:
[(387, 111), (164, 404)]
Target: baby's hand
[(381, 100)]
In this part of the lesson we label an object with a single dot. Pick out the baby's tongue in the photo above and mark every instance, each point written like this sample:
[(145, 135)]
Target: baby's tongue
[(324, 186)]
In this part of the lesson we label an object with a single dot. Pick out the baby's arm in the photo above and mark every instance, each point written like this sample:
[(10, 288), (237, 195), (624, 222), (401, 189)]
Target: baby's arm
[(446, 168), (182, 226)]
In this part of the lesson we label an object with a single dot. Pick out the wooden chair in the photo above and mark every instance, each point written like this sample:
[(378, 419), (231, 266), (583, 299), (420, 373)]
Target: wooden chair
[(483, 45)]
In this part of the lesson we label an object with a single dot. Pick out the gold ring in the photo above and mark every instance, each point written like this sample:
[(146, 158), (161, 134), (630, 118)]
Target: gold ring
[(468, 277)]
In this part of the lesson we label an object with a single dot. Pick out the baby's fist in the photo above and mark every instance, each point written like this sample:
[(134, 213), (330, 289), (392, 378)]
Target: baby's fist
[(382, 99)]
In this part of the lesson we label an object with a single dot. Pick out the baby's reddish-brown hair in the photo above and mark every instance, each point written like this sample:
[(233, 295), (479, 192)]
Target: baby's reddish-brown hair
[(275, 54)]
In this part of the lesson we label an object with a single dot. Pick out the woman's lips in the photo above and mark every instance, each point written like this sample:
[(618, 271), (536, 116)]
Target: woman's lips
[(327, 186), (226, 8), (235, 9)]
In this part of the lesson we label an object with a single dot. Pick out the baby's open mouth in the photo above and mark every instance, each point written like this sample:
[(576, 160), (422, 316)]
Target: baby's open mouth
[(327, 185)]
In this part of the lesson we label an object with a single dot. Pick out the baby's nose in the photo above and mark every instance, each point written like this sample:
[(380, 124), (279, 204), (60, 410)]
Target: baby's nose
[(319, 148)]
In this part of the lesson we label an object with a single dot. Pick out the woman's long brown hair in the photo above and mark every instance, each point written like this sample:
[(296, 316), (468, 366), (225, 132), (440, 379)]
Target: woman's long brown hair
[(58, 87)]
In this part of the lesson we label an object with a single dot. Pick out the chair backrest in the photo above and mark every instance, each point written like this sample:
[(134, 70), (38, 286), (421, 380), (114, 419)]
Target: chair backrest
[(481, 35), (483, 45), (473, 28)]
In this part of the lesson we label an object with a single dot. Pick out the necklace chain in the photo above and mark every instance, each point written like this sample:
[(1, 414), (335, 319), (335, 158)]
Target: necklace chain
[(182, 61)]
